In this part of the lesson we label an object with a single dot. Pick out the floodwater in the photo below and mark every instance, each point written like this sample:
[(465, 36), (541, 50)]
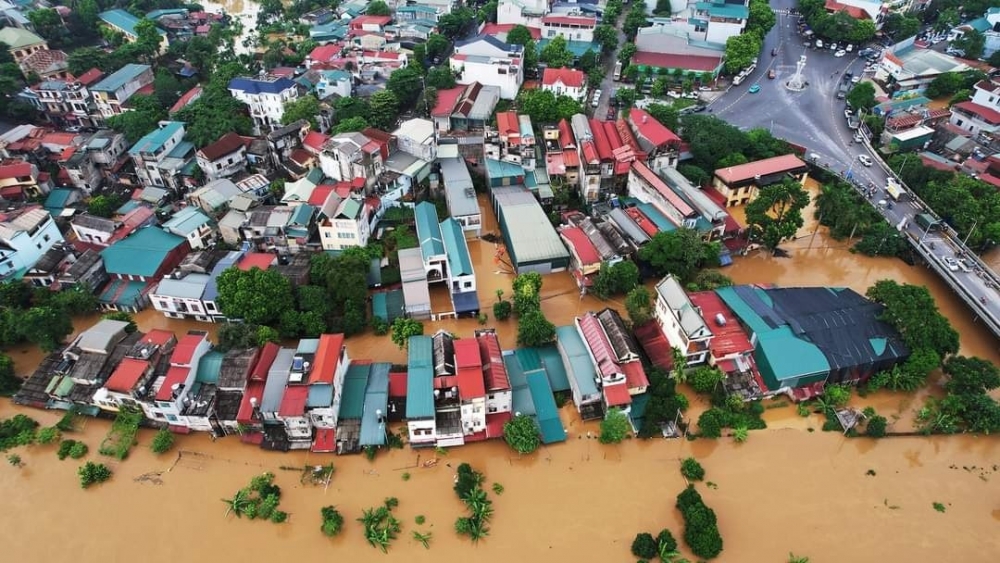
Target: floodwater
[(791, 488)]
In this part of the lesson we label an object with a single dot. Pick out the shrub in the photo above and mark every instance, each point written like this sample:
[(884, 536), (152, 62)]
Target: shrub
[(333, 521), (644, 546), (692, 470), (420, 519), (876, 426), (46, 436), (78, 450), (502, 310), (93, 473), (522, 434), (468, 479), (279, 516), (163, 441), (614, 427), (701, 532), (14, 460), (380, 327), (17, 431), (665, 541)]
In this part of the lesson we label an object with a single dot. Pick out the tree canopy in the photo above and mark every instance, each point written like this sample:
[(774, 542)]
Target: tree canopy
[(522, 434), (556, 53), (775, 214), (255, 296), (306, 107), (545, 107), (862, 96), (741, 50), (615, 427), (681, 253), (618, 279), (911, 310), (403, 329)]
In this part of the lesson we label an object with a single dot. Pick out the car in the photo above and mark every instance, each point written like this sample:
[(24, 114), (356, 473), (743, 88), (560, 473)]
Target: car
[(833, 47), (849, 48), (848, 74), (848, 113), (774, 52), (950, 263), (859, 138), (840, 53), (855, 80), (819, 43), (699, 108), (865, 159), (754, 89), (771, 74), (689, 96), (705, 89)]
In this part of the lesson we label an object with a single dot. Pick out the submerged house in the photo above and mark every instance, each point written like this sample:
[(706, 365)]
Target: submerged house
[(583, 379), (420, 419), (497, 383)]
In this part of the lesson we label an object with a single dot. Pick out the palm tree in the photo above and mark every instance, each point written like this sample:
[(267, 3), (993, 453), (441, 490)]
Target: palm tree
[(238, 504), (792, 558), (740, 434), (424, 539)]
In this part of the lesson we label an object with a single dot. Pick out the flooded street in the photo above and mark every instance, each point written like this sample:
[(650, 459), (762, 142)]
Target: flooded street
[(788, 489)]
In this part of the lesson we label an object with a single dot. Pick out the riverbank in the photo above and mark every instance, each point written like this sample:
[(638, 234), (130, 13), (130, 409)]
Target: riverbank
[(784, 490)]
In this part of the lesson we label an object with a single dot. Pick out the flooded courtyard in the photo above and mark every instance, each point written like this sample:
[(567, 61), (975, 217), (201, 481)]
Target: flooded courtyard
[(790, 488)]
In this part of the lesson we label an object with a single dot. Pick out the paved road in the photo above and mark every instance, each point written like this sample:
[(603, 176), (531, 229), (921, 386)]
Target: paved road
[(814, 118), (608, 84)]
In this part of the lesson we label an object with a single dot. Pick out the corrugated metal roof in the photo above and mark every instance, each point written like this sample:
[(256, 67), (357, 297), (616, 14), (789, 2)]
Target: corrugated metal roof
[(579, 367), (546, 412), (352, 397), (554, 367), (277, 378), (458, 187), (428, 230), (376, 406), (209, 367), (420, 378), (140, 254), (528, 228), (459, 262)]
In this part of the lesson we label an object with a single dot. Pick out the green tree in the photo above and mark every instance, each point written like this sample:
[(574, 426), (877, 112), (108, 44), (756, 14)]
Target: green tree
[(901, 26), (9, 383), (711, 139), (256, 296), (351, 125), (970, 376), (93, 473), (667, 115), (533, 329), (607, 37), (876, 426), (761, 19), (378, 8), (406, 84), (862, 96), (306, 107), (634, 19), (776, 214), (488, 13), (705, 379), (437, 45), (681, 253), (384, 109), (519, 35), (911, 310), (333, 521), (348, 108), (615, 427), (162, 441), (47, 327), (556, 53), (522, 434), (692, 470), (149, 39), (861, 32), (454, 24), (971, 43), (945, 84), (104, 205), (741, 50), (213, 115), (144, 117), (644, 546), (440, 77), (403, 329), (49, 25), (626, 53), (618, 279), (639, 304), (166, 87)]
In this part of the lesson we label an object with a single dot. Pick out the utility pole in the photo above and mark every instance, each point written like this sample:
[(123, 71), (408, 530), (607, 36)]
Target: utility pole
[(974, 225)]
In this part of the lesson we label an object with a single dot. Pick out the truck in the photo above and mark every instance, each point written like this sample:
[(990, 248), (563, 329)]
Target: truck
[(926, 221), (618, 71), (896, 192)]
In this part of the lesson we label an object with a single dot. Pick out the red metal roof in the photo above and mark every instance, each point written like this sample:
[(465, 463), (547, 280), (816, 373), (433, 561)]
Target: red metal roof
[(469, 366), (589, 153), (251, 260), (188, 97), (157, 336), (184, 352), (264, 361), (318, 196), (687, 62), (126, 375), (226, 145), (766, 167), (397, 384), (664, 190), (495, 422), (555, 164), (988, 115), (378, 20), (853, 11), (325, 53), (566, 138), (640, 219), (601, 140), (507, 124), (611, 132), (446, 100), (325, 441), (730, 338), (655, 344), (254, 390), (315, 140), (582, 246), (616, 395), (600, 346), (498, 28), (293, 403), (90, 76), (494, 370), (571, 158), (567, 76), (650, 129), (327, 358), (990, 179), (635, 375), (175, 376), (18, 170)]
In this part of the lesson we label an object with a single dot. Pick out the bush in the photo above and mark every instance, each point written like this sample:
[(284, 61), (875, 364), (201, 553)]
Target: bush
[(665, 541), (876, 426), (692, 470), (614, 427), (644, 546), (333, 521), (522, 434), (47, 435), (701, 532), (705, 379), (468, 480), (380, 327), (163, 441), (502, 310), (93, 473)]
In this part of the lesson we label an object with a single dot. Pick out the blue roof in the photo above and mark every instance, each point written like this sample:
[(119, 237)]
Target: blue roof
[(578, 48), (459, 262), (57, 199), (465, 302), (320, 396), (121, 77), (157, 14), (546, 412), (124, 21), (579, 367), (141, 253), (255, 86), (388, 305), (428, 230), (352, 396), (128, 206), (212, 288), (658, 218), (554, 367), (502, 169), (420, 378), (123, 293), (376, 406), (155, 139), (209, 367), (521, 401), (186, 221)]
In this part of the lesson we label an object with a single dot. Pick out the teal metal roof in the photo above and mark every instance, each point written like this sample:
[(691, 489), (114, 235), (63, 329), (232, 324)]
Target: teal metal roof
[(580, 368), (982, 25), (119, 78), (157, 14), (420, 378), (428, 230), (209, 367), (376, 406), (349, 209), (742, 310), (788, 356), (521, 401), (187, 221), (302, 214), (123, 293), (124, 21), (420, 9), (659, 219), (723, 10), (578, 48), (320, 396), (140, 254), (388, 305), (155, 139), (352, 397), (57, 199), (529, 359), (546, 413), (502, 169), (459, 262), (554, 368)]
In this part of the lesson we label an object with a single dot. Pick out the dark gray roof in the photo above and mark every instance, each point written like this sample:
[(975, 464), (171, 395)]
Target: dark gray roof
[(94, 222), (235, 367)]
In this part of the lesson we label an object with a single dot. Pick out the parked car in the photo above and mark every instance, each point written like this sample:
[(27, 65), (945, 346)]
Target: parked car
[(774, 52), (849, 48), (840, 53), (865, 159), (771, 74), (848, 113), (754, 89), (855, 80), (858, 138)]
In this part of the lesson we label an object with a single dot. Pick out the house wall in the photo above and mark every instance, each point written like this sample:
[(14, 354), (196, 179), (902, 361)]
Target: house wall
[(323, 418), (971, 123), (109, 104), (474, 415), (488, 74), (560, 89), (511, 12), (640, 189), (299, 430), (338, 234), (266, 109), (180, 307), (422, 432), (499, 401), (676, 336), (25, 249), (93, 236), (225, 166)]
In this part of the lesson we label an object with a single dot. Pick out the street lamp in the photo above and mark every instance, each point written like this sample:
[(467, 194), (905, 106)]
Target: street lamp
[(927, 230), (974, 225)]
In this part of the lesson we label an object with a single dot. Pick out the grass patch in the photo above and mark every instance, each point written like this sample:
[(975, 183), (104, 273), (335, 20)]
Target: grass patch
[(121, 437)]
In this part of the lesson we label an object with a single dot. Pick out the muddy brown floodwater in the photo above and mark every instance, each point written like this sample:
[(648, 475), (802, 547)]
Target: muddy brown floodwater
[(787, 489)]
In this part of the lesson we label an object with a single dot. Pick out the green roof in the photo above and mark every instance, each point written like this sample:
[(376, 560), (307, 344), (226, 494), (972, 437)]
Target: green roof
[(785, 360), (578, 48), (352, 397), (209, 367), (742, 310), (57, 199), (521, 401), (376, 403), (722, 10), (142, 253), (349, 209), (186, 221), (580, 368), (420, 378), (554, 368), (388, 305), (121, 77), (64, 387), (428, 230), (459, 262), (546, 412), (155, 139), (15, 37)]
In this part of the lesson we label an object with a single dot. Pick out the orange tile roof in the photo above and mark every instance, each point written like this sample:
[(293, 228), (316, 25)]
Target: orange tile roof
[(126, 375), (327, 358)]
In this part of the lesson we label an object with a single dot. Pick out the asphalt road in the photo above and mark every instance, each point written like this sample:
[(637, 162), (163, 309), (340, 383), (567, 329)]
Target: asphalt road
[(814, 118), (608, 84)]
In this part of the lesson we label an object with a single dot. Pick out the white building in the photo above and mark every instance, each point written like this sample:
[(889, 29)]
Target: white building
[(981, 114), (528, 13), (565, 82), (471, 386), (193, 225), (346, 222), (131, 381), (499, 396), (712, 21), (154, 152), (460, 195), (647, 187), (573, 26), (180, 297), (330, 364), (171, 390), (349, 156), (681, 322), (111, 93), (491, 62), (26, 235), (416, 137), (265, 98), (223, 158), (93, 229)]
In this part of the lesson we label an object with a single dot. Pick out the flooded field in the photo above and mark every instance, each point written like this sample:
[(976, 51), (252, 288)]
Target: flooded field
[(787, 489)]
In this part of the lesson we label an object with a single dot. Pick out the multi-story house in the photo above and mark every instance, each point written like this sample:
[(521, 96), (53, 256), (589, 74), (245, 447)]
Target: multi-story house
[(170, 392), (193, 225), (416, 137), (124, 23), (498, 389), (93, 229), (224, 157), (26, 234), (465, 108), (82, 171), (134, 263), (471, 388), (589, 162), (981, 114), (645, 186), (265, 98), (528, 13), (420, 403), (461, 277), (350, 157), (347, 222), (460, 195), (160, 155), (326, 380), (431, 244), (111, 93), (292, 412), (573, 26), (274, 392), (614, 391), (282, 229), (681, 322), (66, 101), (21, 43), (130, 384), (489, 61), (565, 82), (20, 180), (512, 141), (661, 145), (105, 148), (449, 430)]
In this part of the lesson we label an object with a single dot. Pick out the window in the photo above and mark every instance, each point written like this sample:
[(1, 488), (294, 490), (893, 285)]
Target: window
[(468, 285), (171, 418)]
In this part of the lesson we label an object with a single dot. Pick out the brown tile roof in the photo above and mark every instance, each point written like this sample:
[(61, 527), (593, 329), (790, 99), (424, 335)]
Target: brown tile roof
[(228, 144), (764, 167)]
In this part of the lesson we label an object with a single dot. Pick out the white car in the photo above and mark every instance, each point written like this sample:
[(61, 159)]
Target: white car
[(840, 53), (950, 263), (859, 138), (855, 80), (848, 114), (850, 48), (865, 159)]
